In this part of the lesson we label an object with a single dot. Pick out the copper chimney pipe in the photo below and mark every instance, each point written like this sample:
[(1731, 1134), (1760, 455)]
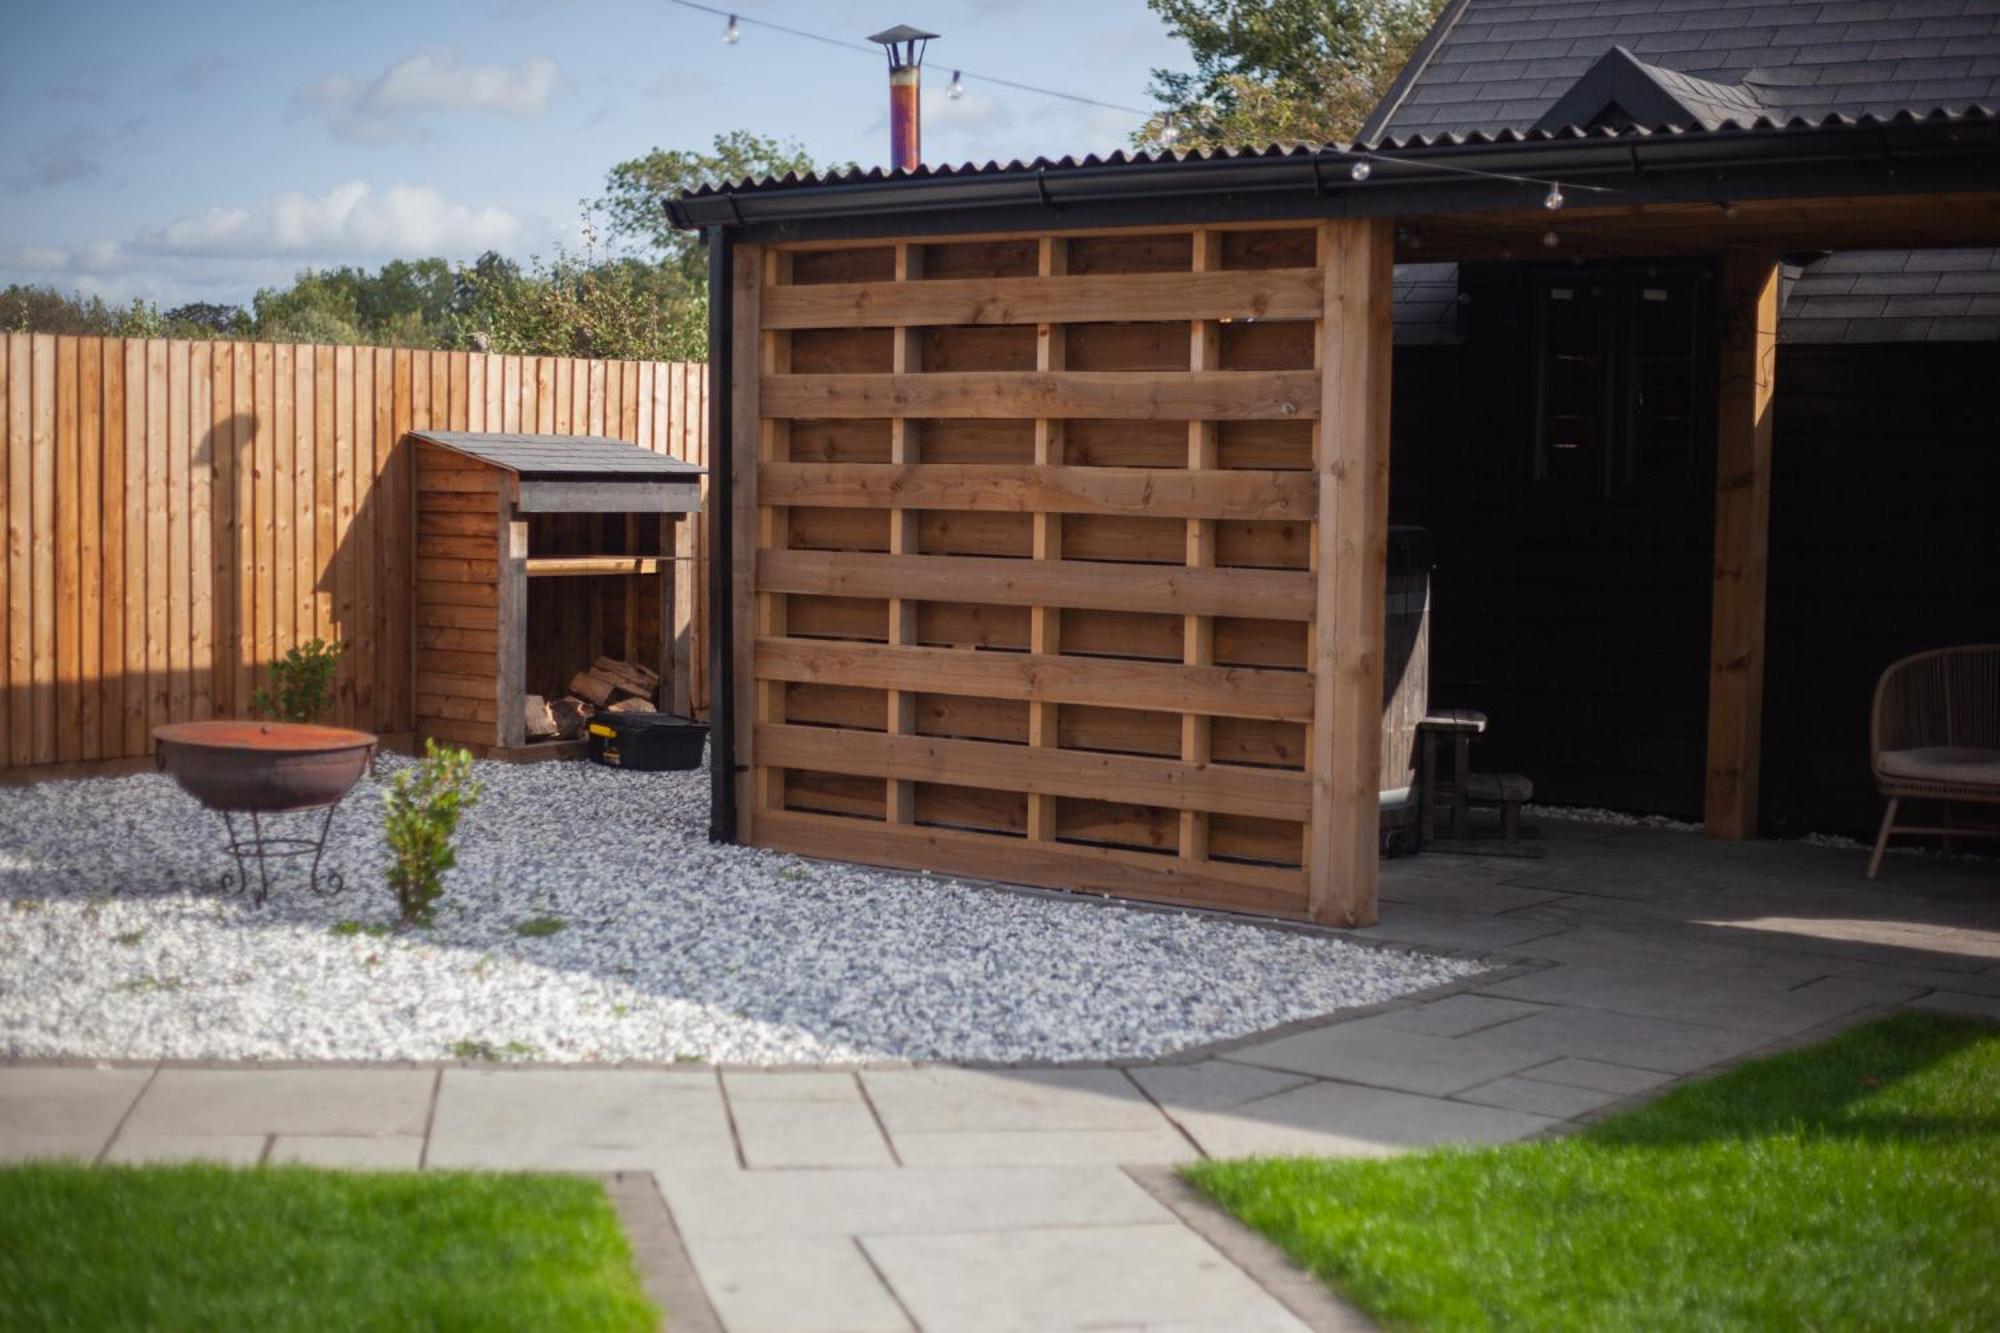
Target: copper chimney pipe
[(905, 47)]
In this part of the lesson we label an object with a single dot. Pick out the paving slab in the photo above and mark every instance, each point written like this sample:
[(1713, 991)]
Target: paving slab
[(579, 1120), (63, 1112), (1212, 1085), (1347, 1120), (285, 1101), (1517, 1093), (1368, 1050), (1075, 1278), (141, 1149), (942, 1100), (1047, 1147), (1437, 928), (752, 1205), (1658, 1044), (386, 1152), (808, 1129), (1747, 1001), (794, 1284), (1456, 1015), (1599, 1075)]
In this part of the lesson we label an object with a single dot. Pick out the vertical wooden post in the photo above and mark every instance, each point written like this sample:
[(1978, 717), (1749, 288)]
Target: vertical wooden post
[(1350, 552), (512, 685), (905, 446), (1198, 632), (1747, 318), (1045, 622), (746, 430), (774, 529)]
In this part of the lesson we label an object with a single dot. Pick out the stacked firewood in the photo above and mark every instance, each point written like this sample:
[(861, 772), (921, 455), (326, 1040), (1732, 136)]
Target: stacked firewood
[(608, 686)]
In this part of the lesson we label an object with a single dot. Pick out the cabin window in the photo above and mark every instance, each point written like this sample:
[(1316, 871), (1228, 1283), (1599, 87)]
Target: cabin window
[(1619, 382)]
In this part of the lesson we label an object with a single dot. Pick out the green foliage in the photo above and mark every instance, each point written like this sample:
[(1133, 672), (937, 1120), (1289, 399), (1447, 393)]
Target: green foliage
[(478, 1048), (343, 930), (634, 190), (1280, 71), (535, 927), (301, 683), (423, 806), (287, 1250), (1853, 1184)]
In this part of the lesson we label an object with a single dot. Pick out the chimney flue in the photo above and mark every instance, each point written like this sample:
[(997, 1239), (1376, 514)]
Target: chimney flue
[(905, 47)]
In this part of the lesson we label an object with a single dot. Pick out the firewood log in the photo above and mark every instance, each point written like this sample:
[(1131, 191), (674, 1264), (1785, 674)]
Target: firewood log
[(633, 704), (589, 685), (627, 676), (537, 717)]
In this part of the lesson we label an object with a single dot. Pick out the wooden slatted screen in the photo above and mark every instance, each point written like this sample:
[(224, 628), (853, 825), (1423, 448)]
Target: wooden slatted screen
[(179, 513), (1059, 559)]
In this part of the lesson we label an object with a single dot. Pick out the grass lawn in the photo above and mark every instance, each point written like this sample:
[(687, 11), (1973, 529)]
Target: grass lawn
[(282, 1248), (1854, 1184)]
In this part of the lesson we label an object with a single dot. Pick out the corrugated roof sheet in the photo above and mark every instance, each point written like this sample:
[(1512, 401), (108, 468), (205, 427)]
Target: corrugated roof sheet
[(559, 457)]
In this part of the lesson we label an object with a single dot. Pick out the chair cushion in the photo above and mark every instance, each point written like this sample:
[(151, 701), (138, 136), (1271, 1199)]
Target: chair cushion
[(1959, 764)]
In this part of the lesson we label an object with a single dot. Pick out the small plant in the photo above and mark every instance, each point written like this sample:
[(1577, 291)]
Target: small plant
[(349, 929), (423, 806), (473, 1048), (301, 683), (537, 926), (128, 938)]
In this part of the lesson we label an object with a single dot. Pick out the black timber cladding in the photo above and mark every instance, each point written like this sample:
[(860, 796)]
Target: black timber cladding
[(1492, 65), (563, 457)]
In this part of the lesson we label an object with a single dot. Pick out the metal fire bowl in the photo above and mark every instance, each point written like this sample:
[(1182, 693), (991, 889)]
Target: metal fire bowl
[(263, 766)]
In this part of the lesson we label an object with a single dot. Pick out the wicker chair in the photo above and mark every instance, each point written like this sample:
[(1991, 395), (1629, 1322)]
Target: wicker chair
[(1935, 735)]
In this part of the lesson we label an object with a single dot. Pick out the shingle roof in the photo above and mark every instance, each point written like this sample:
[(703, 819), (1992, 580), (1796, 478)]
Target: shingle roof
[(1494, 66), (563, 457)]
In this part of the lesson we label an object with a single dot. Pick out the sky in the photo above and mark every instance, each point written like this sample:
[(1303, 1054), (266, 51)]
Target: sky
[(178, 151)]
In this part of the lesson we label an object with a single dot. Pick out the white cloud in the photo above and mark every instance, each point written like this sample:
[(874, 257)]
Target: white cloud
[(394, 105)]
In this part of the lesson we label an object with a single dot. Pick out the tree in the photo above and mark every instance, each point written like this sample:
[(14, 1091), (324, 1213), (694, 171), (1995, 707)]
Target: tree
[(634, 190), (1279, 71)]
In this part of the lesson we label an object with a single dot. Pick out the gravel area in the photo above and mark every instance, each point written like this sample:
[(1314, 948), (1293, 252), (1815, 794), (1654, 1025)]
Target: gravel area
[(589, 919)]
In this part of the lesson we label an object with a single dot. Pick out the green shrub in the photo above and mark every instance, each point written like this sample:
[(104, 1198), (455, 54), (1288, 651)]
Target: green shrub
[(423, 806), (301, 683)]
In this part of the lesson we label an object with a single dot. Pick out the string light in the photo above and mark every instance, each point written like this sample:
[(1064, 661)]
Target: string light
[(732, 34), (1554, 199), (1360, 171), (1550, 239), (957, 88)]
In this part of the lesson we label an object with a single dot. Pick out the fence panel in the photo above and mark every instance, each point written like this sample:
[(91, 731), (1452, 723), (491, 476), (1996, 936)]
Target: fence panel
[(177, 514)]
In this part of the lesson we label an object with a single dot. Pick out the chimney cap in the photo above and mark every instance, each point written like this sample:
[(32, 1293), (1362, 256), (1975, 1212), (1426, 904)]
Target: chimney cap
[(902, 32)]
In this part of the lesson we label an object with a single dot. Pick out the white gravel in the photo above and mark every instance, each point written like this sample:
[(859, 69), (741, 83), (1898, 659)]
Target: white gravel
[(114, 943)]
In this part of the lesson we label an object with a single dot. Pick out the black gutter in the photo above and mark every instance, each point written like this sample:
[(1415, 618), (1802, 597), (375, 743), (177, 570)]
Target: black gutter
[(721, 574), (1874, 158)]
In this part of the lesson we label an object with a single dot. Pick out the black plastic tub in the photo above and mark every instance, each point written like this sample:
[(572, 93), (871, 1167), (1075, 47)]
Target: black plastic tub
[(648, 742)]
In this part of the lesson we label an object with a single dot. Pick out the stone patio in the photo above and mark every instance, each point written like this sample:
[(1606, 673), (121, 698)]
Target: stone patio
[(954, 1198)]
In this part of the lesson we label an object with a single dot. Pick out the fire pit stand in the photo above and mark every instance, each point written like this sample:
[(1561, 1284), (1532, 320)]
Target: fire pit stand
[(261, 768)]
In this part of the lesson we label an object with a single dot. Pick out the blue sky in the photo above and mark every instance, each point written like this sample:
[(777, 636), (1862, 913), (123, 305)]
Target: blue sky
[(195, 151)]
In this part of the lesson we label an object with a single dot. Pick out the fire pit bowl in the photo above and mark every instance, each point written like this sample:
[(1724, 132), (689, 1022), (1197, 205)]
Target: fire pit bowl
[(263, 766)]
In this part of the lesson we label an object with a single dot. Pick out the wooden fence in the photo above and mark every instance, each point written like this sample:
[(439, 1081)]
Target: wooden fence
[(1058, 559), (180, 513)]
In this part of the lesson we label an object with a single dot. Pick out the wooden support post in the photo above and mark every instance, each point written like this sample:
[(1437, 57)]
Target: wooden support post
[(1350, 553), (1198, 632), (672, 694), (773, 528), (512, 686), (905, 446), (1045, 622), (1747, 318), (746, 430)]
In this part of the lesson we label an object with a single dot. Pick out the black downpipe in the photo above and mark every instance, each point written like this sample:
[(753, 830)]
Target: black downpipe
[(721, 576)]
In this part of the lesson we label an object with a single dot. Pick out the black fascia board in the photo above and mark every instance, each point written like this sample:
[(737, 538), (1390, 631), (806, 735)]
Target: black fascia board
[(1880, 158)]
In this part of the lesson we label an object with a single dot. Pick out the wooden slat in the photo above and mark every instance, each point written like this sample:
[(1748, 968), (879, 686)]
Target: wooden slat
[(326, 498), (20, 538), (556, 566), (1151, 492), (90, 543), (1265, 294), (1747, 293), (305, 484), (1108, 682), (201, 532), (111, 683), (1351, 559), (1014, 394), (1264, 594), (66, 487), (1252, 889), (744, 447), (1051, 772), (221, 456)]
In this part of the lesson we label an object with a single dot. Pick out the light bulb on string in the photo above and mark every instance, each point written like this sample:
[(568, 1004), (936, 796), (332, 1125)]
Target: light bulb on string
[(957, 88), (732, 34), (1554, 198), (1169, 135), (1360, 171)]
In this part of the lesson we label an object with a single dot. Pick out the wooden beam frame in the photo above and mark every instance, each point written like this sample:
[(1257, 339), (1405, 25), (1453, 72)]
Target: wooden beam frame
[(1351, 563), (1747, 310)]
